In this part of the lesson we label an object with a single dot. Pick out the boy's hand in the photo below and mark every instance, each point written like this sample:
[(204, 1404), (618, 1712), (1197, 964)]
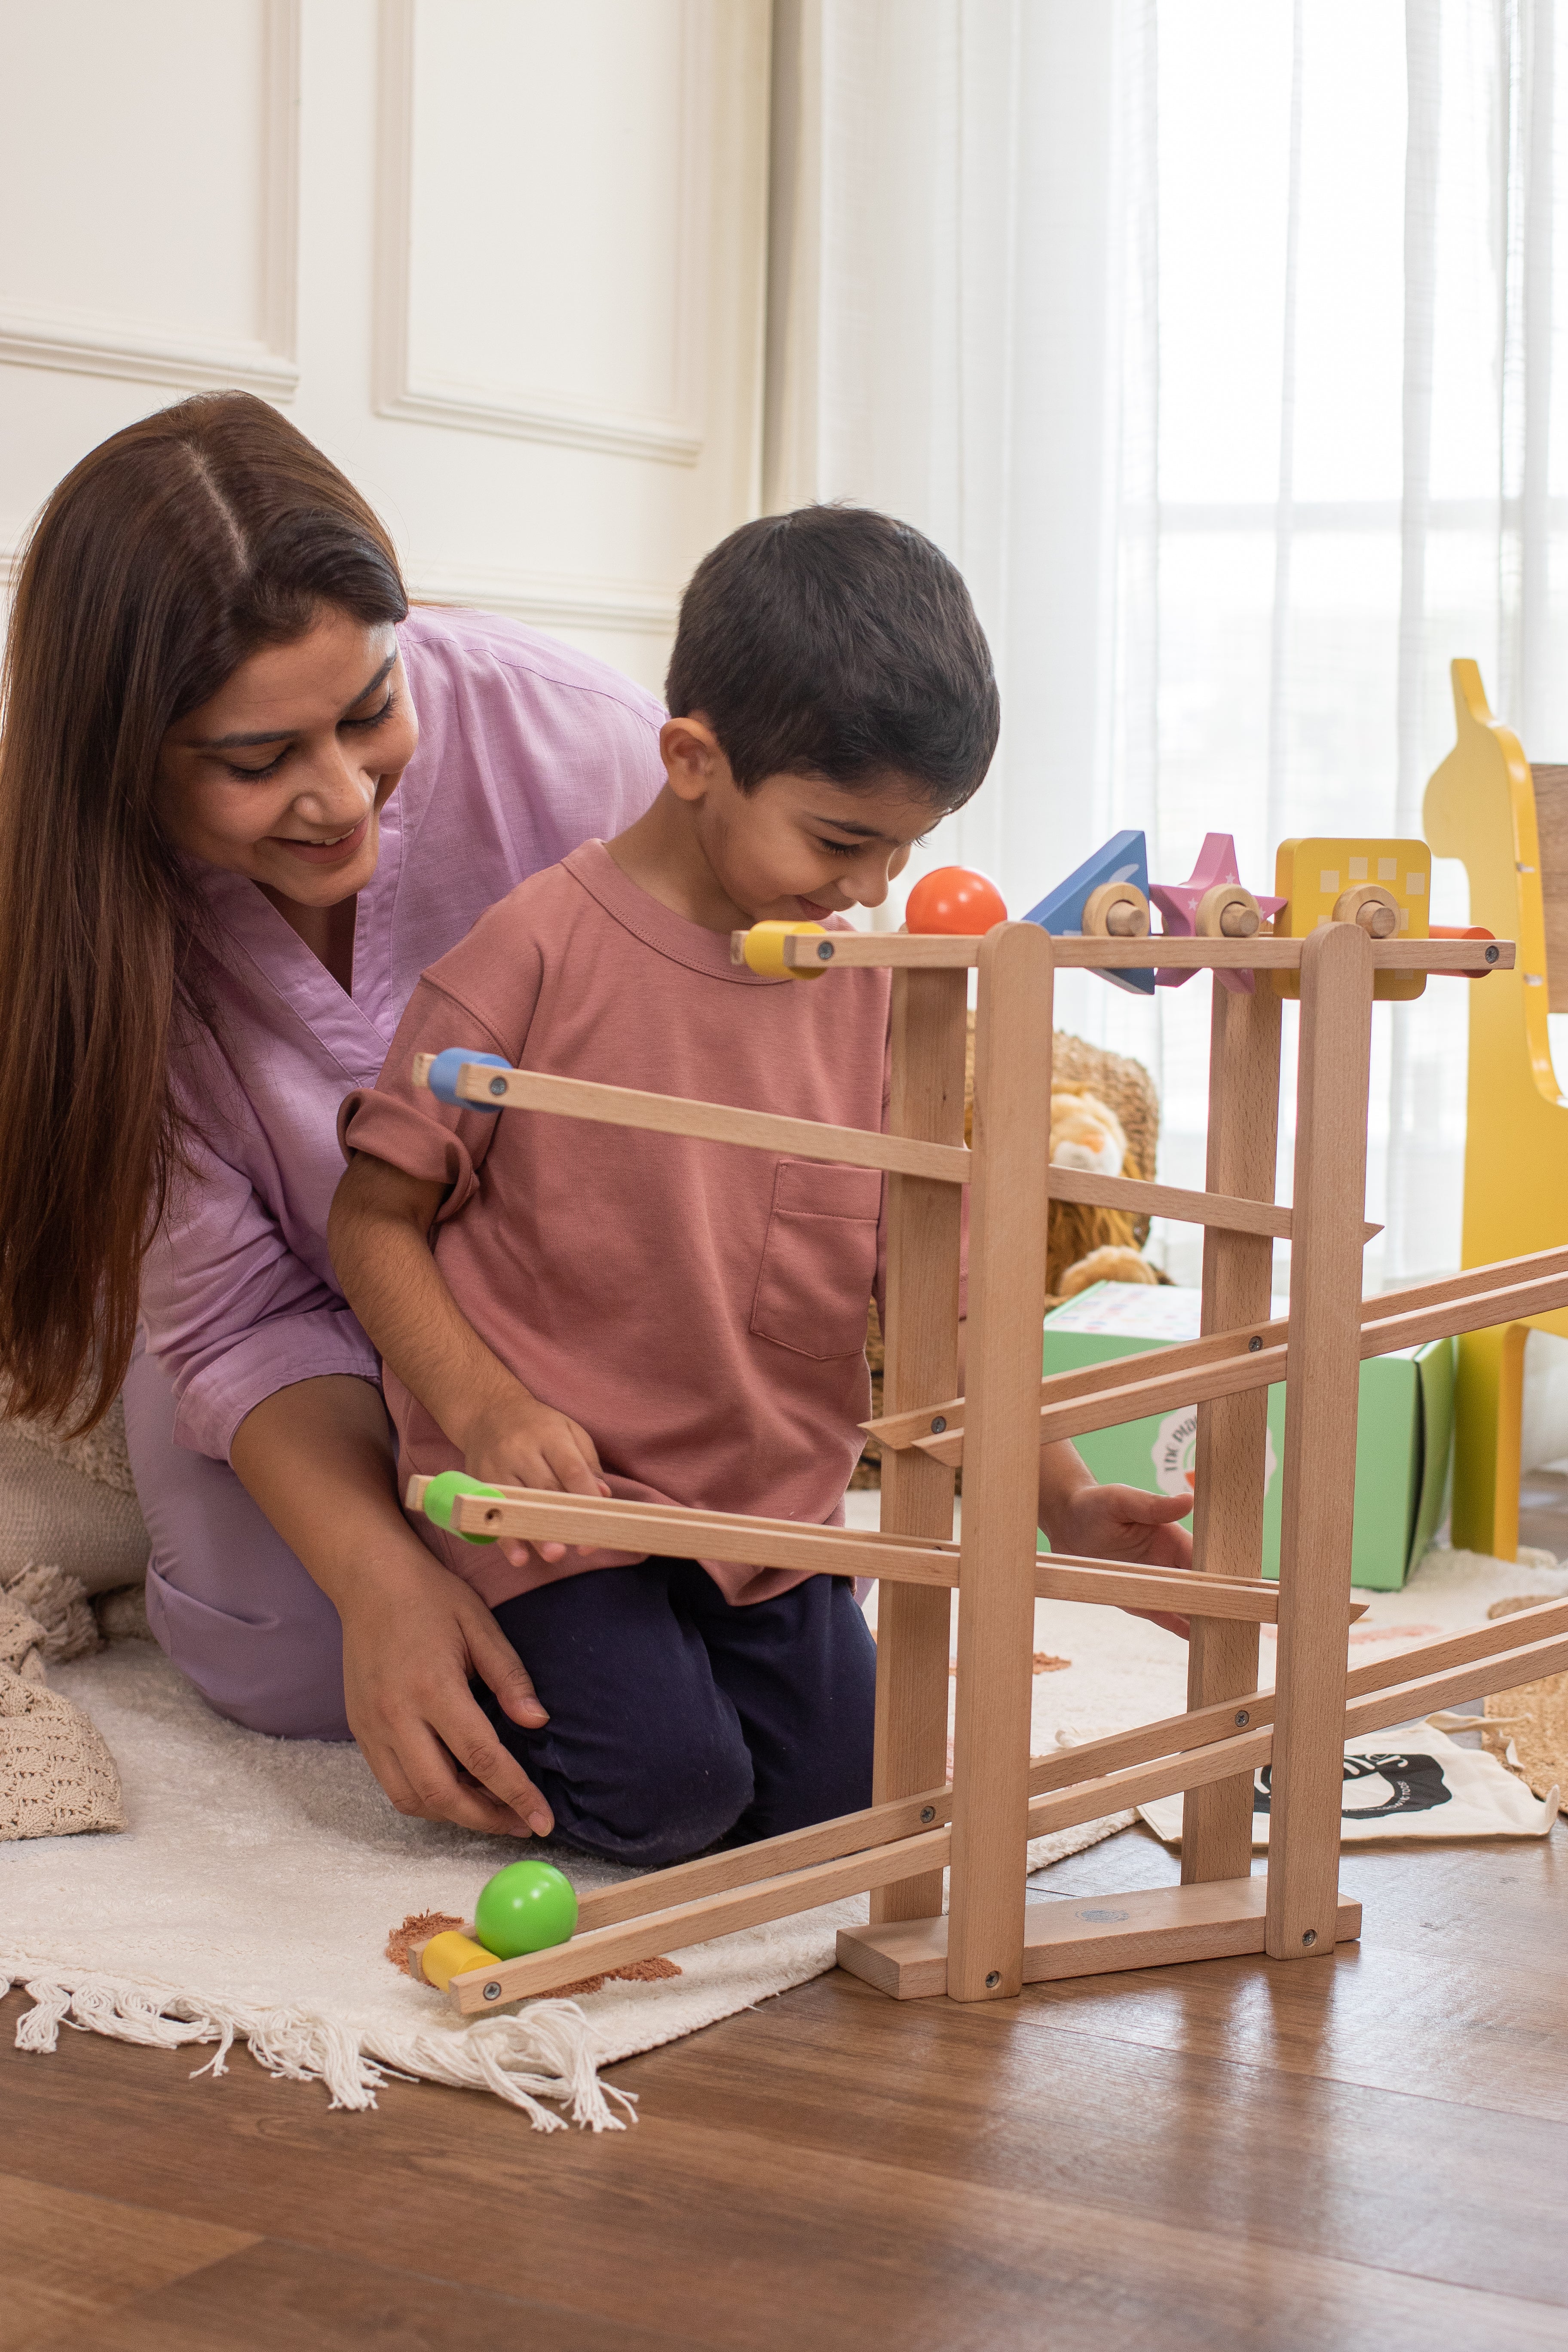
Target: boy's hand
[(379, 1234), (1126, 1523), (514, 1440)]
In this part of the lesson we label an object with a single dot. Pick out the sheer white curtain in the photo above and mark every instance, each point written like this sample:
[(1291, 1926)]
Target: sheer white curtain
[(1216, 341)]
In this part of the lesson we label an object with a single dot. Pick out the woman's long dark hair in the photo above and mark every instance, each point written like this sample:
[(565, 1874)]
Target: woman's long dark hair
[(162, 561)]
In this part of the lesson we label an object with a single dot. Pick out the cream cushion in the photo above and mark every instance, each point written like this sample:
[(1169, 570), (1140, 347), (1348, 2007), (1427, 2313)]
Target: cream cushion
[(72, 1502)]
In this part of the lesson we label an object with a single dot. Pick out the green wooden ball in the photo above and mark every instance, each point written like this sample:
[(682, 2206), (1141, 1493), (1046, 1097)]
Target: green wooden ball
[(525, 1907)]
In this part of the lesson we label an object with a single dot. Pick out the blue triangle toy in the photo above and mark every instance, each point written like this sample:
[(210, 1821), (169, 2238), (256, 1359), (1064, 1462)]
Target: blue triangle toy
[(1123, 859)]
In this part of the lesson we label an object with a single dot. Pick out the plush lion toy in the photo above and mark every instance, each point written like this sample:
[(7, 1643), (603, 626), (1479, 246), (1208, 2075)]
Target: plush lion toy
[(1114, 1262), (1085, 1133)]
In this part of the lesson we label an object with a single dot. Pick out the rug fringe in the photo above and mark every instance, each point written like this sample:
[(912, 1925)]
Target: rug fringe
[(546, 2053)]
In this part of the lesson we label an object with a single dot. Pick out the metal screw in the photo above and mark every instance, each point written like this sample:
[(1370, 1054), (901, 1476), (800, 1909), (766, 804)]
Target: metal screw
[(1310, 1938), (1491, 955), (825, 951), (928, 1813), (498, 1086), (493, 1992), (938, 1425), (1242, 1716), (993, 1980), (1253, 1345)]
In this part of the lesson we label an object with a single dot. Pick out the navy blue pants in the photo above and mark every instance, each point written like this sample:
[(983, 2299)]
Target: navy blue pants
[(677, 1720)]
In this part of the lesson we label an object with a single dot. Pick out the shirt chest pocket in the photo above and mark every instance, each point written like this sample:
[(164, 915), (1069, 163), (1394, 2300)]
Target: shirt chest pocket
[(819, 1259)]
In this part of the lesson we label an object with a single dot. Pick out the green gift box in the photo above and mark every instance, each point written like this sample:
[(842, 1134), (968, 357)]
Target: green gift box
[(1404, 1428)]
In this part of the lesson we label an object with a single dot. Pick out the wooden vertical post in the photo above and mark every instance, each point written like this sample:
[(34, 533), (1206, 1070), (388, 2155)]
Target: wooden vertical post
[(1001, 1467), (921, 1361), (1233, 1432), (1323, 1387)]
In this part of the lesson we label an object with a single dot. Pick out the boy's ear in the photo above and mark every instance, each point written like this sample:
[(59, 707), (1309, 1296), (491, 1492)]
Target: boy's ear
[(692, 759)]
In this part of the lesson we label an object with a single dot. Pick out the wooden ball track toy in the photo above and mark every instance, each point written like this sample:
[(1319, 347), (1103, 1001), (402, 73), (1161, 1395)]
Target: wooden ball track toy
[(974, 1824)]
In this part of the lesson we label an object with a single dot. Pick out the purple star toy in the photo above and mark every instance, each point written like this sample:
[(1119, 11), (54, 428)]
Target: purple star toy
[(1202, 907)]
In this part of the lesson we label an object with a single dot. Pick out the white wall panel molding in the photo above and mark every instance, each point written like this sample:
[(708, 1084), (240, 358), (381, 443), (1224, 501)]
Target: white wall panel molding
[(86, 343), (546, 602), (99, 342), (408, 385), (537, 226)]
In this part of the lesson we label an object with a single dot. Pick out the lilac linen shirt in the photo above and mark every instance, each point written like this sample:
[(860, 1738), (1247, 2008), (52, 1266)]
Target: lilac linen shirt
[(526, 748)]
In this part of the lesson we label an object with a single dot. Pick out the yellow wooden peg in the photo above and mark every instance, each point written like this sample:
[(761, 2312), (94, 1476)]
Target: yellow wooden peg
[(764, 950), (449, 1955), (1340, 881)]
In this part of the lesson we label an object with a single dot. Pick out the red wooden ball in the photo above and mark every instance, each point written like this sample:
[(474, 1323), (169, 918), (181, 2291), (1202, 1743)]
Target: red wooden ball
[(956, 899)]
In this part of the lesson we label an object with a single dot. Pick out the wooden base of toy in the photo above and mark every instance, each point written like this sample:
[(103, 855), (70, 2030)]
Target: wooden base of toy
[(1155, 1927)]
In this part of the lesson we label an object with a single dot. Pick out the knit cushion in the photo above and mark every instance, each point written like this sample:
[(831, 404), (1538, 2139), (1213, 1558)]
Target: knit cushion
[(57, 1777), (71, 1501)]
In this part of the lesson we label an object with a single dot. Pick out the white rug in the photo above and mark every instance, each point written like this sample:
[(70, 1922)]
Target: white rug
[(251, 1897), (253, 1893)]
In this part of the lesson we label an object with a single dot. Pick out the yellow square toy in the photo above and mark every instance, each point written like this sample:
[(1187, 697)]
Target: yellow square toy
[(1316, 876)]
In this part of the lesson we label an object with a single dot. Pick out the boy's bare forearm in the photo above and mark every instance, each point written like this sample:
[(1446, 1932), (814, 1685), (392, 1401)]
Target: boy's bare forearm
[(1063, 1470), (378, 1234)]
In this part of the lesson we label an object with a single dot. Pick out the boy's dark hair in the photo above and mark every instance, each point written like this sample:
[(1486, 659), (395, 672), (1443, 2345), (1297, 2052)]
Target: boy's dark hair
[(835, 642)]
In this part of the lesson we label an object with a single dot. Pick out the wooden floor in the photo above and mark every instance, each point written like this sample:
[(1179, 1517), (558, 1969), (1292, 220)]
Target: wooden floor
[(1367, 2151)]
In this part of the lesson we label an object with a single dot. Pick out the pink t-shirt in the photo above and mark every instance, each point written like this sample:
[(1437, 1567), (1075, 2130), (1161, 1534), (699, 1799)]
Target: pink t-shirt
[(698, 1307)]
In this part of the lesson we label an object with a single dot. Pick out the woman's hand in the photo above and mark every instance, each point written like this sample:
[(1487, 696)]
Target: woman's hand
[(319, 1458), (413, 1634), (1113, 1523), (512, 1440)]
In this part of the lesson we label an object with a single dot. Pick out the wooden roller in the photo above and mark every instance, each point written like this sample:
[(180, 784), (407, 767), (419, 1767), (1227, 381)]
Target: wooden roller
[(441, 1958), (761, 950), (1369, 905), (1117, 910), (1228, 912)]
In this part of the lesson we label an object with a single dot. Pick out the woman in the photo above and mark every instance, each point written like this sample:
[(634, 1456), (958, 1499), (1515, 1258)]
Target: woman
[(245, 796)]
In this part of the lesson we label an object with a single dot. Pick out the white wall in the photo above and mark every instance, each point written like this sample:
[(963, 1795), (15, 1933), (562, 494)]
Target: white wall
[(503, 259)]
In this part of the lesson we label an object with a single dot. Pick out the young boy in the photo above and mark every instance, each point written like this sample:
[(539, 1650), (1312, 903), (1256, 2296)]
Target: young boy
[(600, 1310)]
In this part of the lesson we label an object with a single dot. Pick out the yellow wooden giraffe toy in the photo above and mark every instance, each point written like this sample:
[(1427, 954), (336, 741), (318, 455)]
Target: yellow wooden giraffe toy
[(1486, 805)]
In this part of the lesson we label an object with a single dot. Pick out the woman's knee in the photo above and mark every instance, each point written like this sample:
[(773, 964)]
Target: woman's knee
[(281, 1673), (227, 1600)]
